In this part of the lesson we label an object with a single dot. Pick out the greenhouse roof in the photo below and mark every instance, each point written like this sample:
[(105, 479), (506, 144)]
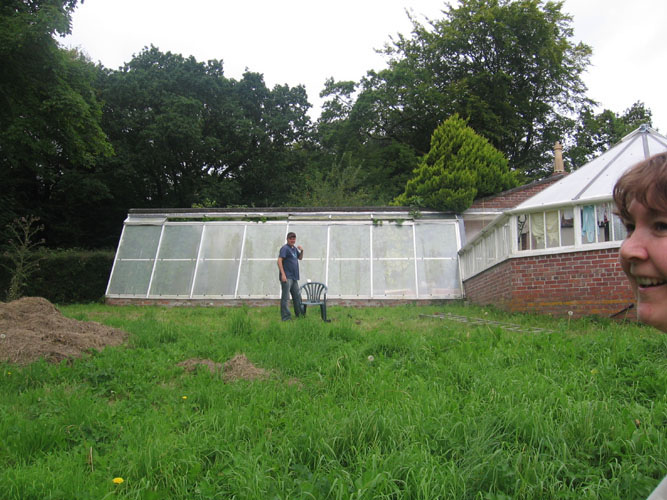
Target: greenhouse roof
[(595, 180)]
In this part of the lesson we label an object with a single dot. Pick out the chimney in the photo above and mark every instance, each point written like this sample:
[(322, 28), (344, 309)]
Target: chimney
[(558, 159)]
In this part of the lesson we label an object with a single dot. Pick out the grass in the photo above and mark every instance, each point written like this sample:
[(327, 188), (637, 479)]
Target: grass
[(443, 410)]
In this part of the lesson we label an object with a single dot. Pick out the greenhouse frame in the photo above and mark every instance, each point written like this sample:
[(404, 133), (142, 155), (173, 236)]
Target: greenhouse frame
[(225, 254)]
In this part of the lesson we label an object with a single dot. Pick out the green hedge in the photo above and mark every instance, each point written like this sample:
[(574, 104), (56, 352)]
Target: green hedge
[(65, 276)]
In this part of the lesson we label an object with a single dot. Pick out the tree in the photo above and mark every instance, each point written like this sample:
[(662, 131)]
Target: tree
[(507, 66), (595, 133), (49, 113), (460, 166)]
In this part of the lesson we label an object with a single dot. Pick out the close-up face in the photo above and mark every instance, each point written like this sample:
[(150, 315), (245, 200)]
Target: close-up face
[(291, 241), (643, 257)]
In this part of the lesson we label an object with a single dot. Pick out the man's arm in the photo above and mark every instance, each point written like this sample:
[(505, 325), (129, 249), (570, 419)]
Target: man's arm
[(282, 270), (300, 252)]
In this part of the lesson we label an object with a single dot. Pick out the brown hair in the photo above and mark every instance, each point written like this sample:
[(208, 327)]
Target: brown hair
[(646, 183)]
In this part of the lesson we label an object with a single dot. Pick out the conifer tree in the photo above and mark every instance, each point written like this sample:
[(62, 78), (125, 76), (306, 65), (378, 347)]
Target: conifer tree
[(460, 166)]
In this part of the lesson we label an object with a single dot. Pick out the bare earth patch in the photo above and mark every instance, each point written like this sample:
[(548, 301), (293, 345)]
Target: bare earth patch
[(237, 368), (32, 328)]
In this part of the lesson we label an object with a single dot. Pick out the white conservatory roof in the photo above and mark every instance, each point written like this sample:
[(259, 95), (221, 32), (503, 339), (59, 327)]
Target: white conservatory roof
[(595, 180)]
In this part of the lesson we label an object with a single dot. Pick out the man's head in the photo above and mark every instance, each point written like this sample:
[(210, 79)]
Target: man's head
[(291, 239)]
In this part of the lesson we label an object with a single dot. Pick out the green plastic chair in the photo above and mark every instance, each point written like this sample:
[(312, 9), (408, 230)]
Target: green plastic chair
[(316, 295)]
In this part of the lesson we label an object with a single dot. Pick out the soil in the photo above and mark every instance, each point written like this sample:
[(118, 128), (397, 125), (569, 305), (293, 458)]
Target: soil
[(237, 368), (32, 328)]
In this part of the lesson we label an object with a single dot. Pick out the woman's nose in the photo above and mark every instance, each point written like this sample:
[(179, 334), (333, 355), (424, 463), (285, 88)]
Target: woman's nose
[(634, 246)]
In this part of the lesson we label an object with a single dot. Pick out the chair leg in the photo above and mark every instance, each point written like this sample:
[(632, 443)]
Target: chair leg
[(323, 311), (303, 309)]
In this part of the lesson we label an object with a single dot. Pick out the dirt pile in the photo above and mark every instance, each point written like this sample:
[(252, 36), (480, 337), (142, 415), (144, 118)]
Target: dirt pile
[(32, 328), (237, 368)]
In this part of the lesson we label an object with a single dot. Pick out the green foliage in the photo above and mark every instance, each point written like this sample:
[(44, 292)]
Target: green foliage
[(595, 133), (66, 276), (460, 166), (20, 251), (441, 410)]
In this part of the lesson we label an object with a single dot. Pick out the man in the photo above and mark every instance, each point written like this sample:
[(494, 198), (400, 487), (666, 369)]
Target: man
[(288, 263)]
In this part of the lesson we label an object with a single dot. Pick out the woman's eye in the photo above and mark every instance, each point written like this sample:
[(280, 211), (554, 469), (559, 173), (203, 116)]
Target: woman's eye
[(660, 226)]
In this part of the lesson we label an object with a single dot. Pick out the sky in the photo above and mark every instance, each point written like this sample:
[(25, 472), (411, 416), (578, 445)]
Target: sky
[(305, 42)]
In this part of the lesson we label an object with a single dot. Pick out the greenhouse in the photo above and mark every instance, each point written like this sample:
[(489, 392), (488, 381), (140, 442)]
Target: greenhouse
[(573, 217), (222, 254)]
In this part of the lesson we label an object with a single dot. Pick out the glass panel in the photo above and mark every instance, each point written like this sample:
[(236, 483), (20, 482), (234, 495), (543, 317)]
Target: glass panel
[(313, 270), (523, 231), (263, 241), (588, 224), (552, 229), (173, 277), (349, 277), (394, 277), (216, 277), (392, 241), (490, 244), (180, 242), (222, 242), (537, 229), (130, 277), (312, 238), (139, 242), (567, 227), (436, 240), (619, 229), (259, 278), (350, 242), (438, 278), (603, 212)]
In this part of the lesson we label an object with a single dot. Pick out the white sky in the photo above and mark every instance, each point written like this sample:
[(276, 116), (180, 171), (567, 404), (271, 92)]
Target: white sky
[(306, 41)]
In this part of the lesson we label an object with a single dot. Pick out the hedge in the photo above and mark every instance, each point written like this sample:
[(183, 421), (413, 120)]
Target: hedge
[(65, 276)]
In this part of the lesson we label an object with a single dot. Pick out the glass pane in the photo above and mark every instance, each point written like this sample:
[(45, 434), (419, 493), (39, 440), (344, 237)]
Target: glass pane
[(259, 278), (588, 224), (619, 229), (216, 277), (130, 277), (436, 240), (180, 242), (139, 242), (263, 241), (312, 238), (349, 242), (394, 278), (567, 227), (222, 242), (552, 229), (173, 277), (313, 270), (537, 230), (438, 278), (349, 278), (392, 241), (603, 212), (523, 231)]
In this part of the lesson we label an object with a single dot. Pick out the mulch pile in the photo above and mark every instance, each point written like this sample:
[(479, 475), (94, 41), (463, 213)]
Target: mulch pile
[(237, 368), (32, 328)]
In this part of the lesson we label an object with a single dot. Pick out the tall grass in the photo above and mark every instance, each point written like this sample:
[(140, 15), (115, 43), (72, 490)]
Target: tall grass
[(379, 403)]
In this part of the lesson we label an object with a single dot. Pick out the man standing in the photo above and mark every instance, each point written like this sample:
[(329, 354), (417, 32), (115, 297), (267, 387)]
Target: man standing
[(288, 263)]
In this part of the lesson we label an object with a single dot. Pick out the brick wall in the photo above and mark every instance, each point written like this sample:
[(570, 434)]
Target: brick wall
[(586, 283)]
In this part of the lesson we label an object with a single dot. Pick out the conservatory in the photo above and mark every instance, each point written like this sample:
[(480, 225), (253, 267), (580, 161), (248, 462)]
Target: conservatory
[(562, 242), (224, 254)]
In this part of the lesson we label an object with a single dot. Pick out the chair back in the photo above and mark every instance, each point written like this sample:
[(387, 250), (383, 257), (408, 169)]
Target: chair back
[(316, 292)]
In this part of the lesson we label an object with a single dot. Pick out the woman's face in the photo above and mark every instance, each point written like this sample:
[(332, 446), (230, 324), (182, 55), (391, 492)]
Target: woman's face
[(643, 257)]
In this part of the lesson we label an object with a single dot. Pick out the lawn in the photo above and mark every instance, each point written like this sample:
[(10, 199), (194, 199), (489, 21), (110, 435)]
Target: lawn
[(379, 403)]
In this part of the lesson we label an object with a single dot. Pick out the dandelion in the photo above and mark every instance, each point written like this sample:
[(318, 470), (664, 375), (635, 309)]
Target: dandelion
[(118, 480), (371, 358), (594, 371), (184, 397)]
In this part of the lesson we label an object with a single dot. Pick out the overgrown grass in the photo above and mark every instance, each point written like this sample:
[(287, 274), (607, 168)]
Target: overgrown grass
[(443, 410)]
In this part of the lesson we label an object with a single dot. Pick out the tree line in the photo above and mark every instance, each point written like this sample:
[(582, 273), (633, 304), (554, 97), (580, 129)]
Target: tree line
[(80, 144)]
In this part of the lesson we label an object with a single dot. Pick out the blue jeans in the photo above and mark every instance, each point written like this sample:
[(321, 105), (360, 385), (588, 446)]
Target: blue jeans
[(290, 287)]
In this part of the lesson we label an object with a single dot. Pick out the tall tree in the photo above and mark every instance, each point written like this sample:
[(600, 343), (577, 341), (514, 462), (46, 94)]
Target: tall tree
[(49, 114), (595, 133), (460, 166), (509, 67)]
